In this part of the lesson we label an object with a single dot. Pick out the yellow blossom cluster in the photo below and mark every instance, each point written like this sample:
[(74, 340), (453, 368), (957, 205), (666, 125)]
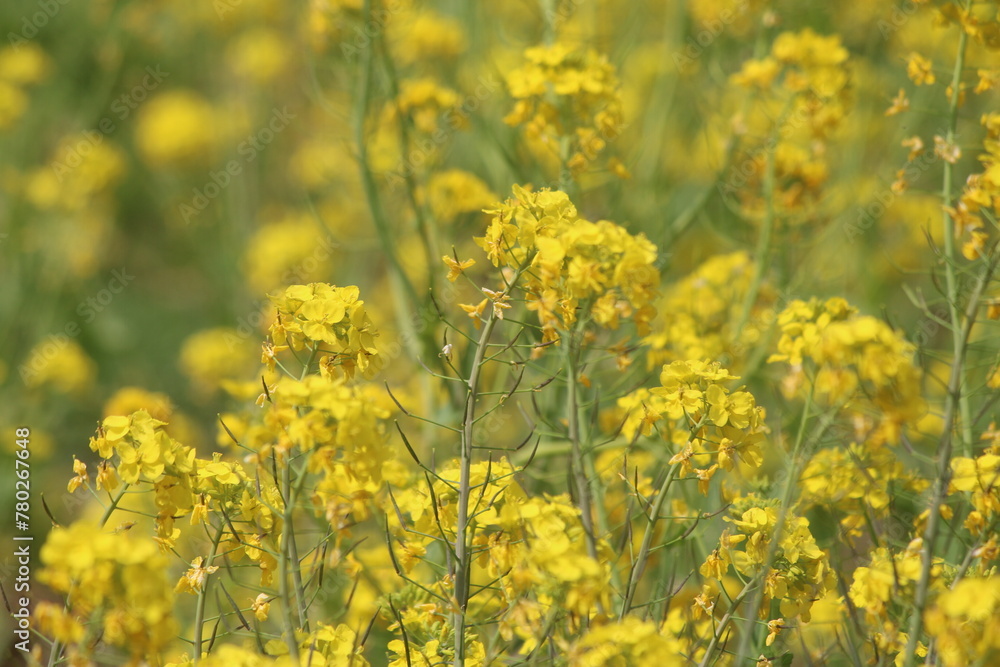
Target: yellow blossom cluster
[(566, 95), (857, 481), (694, 409), (577, 270), (424, 101), (856, 362), (981, 196), (796, 572), (61, 365), (965, 622), (697, 315), (178, 128), (21, 65), (345, 435), (979, 477), (329, 320), (426, 35), (879, 587), (804, 95), (453, 192), (143, 449), (120, 576), (631, 642)]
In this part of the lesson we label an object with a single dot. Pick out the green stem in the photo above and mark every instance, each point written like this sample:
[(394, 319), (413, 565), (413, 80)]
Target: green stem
[(779, 526), (288, 537), (199, 612), (425, 227), (951, 282), (463, 562), (724, 623), (284, 556), (763, 243), (579, 471), (944, 467), (405, 292), (113, 506), (647, 540)]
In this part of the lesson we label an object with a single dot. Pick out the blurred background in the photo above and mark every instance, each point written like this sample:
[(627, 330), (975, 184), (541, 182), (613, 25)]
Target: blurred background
[(165, 165)]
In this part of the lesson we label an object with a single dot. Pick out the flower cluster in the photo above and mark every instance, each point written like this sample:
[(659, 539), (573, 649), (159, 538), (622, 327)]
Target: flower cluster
[(577, 269), (21, 65), (698, 315), (878, 588), (694, 409), (115, 576), (796, 572), (803, 85), (979, 477), (328, 320), (631, 642), (965, 622), (564, 94), (857, 481), (858, 362), (981, 196)]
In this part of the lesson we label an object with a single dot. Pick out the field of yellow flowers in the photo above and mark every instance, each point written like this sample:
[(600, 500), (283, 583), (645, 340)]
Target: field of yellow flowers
[(540, 332)]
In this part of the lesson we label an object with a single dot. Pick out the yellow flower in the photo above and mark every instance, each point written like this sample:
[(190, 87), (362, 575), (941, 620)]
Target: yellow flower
[(918, 68), (773, 628), (80, 468), (194, 579), (900, 103), (475, 312), (176, 128), (455, 268), (261, 606), (499, 300), (330, 319), (107, 476), (61, 364)]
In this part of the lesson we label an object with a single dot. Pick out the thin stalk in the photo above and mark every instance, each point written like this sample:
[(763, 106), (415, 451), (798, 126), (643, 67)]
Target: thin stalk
[(724, 623), (288, 535), (462, 560), (944, 468), (779, 526), (405, 292), (647, 540), (283, 564), (579, 471), (113, 506), (199, 612), (951, 282), (425, 227), (763, 243), (463, 564)]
